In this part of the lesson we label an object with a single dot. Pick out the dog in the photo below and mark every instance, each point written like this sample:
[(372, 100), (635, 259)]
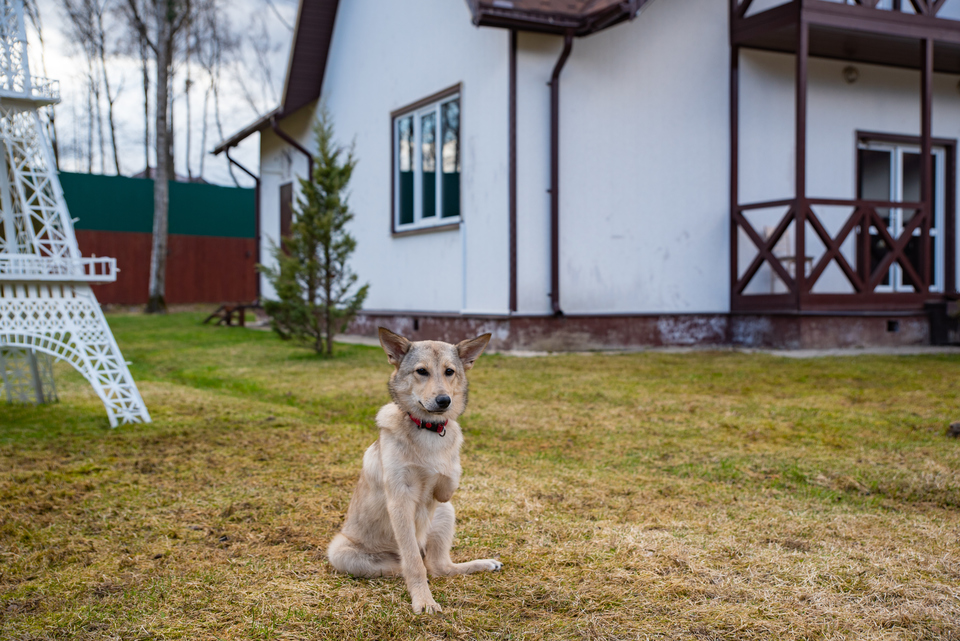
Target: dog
[(400, 520)]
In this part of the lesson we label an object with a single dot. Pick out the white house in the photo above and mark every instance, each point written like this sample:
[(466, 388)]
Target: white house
[(595, 173)]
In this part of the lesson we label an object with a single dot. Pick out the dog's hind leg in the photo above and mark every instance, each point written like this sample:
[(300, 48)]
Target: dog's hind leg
[(347, 558), (439, 542)]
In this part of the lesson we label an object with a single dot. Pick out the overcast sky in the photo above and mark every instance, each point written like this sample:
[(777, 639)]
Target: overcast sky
[(242, 84)]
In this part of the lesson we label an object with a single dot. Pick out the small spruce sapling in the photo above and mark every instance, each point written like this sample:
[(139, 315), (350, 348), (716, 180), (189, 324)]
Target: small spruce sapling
[(316, 294)]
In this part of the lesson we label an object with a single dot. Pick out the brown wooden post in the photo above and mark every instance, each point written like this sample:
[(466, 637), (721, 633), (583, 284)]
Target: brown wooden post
[(512, 188), (926, 162), (800, 208), (734, 166)]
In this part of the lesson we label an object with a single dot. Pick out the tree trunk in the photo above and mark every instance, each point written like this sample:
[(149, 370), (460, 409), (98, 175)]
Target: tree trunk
[(203, 130), (161, 187), (90, 122), (187, 85), (327, 292), (146, 106)]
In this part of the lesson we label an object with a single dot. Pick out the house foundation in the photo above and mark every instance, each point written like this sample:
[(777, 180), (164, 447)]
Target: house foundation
[(602, 332)]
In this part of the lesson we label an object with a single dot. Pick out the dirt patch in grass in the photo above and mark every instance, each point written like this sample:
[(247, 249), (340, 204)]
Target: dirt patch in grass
[(665, 496)]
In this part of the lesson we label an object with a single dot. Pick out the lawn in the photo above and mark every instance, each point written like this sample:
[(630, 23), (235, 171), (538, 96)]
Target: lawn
[(705, 495)]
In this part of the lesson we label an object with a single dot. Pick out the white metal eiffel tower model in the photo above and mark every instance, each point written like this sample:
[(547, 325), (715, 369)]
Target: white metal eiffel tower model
[(47, 308)]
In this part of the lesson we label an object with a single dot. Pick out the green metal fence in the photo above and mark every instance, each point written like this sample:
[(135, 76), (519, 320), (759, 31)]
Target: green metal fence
[(117, 203)]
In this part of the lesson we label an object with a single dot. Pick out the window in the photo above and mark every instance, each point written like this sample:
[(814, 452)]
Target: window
[(891, 172), (426, 147)]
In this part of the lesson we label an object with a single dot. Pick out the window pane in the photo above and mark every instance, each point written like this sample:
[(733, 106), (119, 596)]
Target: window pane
[(428, 146), (450, 150), (874, 184), (911, 183), (405, 163)]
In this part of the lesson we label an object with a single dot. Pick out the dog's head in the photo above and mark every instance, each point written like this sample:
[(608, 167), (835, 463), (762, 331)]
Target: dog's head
[(429, 379)]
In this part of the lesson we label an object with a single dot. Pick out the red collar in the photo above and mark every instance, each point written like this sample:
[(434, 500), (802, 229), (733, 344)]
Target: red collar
[(439, 428)]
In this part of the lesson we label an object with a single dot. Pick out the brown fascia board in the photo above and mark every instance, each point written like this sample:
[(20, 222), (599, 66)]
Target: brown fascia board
[(514, 15), (308, 53), (259, 124)]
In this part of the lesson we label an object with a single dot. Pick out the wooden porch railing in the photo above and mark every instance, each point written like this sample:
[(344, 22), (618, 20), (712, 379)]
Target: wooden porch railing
[(866, 273)]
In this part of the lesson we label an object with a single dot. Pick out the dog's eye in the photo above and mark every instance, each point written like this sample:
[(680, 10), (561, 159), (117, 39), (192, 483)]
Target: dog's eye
[(422, 372), (449, 372)]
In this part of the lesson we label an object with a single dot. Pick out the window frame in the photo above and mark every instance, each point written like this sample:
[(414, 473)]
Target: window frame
[(417, 110)]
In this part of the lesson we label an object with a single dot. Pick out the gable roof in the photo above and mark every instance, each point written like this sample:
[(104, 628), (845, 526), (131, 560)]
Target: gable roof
[(583, 17), (305, 66)]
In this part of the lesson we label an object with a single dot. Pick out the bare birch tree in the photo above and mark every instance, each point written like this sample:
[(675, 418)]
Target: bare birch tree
[(159, 22), (215, 45), (87, 30)]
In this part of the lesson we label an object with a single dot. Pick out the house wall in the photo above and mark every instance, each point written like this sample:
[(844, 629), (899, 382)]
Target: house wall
[(644, 158), (280, 164), (644, 154), (381, 59)]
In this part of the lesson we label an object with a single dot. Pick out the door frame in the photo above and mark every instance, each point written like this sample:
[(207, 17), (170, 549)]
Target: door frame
[(947, 196)]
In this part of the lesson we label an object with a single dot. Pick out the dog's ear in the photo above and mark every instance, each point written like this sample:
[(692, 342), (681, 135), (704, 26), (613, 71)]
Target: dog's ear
[(395, 345), (470, 350)]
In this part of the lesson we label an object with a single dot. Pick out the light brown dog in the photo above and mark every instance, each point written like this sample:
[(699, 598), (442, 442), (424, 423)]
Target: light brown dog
[(400, 521)]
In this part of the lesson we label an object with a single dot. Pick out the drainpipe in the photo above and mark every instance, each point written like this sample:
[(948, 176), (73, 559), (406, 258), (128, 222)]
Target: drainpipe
[(286, 137), (256, 209), (555, 174), (512, 186)]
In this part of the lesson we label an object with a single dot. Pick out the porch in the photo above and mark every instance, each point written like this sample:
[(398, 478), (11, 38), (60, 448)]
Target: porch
[(880, 251)]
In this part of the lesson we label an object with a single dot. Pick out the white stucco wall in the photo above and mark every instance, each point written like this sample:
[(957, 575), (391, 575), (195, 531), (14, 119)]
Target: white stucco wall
[(279, 164), (644, 163), (384, 56)]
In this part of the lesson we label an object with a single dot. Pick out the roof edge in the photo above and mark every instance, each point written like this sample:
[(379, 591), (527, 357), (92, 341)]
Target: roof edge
[(258, 125), (293, 48), (556, 23)]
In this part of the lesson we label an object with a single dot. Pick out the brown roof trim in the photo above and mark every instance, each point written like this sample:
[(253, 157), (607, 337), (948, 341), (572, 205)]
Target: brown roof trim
[(308, 54), (259, 124), (552, 16)]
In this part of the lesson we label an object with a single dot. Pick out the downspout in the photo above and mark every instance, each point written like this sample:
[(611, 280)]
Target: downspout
[(286, 137), (555, 174), (512, 189), (256, 210)]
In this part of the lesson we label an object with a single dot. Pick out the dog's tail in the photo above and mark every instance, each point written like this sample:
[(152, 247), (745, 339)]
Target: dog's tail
[(346, 557)]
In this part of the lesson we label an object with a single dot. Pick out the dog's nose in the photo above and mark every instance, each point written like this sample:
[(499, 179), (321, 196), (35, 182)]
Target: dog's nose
[(443, 401)]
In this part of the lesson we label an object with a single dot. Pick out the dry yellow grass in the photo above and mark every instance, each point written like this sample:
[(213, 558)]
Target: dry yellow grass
[(642, 496)]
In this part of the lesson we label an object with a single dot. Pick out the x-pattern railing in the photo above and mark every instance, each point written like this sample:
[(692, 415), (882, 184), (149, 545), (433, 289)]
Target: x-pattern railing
[(865, 217)]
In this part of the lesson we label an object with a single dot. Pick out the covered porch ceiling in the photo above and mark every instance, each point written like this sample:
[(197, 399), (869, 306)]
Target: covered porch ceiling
[(851, 32)]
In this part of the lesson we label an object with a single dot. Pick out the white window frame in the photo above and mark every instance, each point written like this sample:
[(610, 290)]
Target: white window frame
[(897, 283), (437, 220)]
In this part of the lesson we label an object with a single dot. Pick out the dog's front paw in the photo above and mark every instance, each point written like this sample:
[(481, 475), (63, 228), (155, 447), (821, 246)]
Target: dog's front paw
[(426, 606), (492, 565)]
